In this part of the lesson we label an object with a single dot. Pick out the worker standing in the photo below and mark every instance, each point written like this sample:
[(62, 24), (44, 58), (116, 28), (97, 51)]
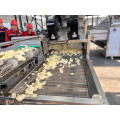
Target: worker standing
[(14, 29), (29, 31), (4, 33)]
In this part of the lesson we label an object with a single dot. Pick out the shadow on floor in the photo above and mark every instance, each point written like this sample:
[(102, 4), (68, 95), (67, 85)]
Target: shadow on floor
[(113, 98), (98, 59)]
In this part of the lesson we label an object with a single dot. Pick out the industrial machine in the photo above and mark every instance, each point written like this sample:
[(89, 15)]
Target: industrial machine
[(108, 38), (72, 23), (72, 78), (113, 43), (12, 69), (69, 25), (52, 27), (82, 88)]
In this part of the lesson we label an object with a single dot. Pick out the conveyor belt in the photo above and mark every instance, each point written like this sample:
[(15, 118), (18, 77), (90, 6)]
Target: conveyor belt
[(66, 84), (80, 87), (60, 88), (61, 84), (74, 86)]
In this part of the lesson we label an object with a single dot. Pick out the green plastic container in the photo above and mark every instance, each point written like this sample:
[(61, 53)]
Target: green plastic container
[(35, 46)]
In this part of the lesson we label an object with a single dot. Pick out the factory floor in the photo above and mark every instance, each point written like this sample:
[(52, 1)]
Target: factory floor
[(108, 73)]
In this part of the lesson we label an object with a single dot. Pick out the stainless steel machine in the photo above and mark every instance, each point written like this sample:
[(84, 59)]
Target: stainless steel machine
[(80, 87), (12, 70), (108, 38), (83, 88)]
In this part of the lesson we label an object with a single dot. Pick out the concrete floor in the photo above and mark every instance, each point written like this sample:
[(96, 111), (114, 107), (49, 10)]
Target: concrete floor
[(108, 72)]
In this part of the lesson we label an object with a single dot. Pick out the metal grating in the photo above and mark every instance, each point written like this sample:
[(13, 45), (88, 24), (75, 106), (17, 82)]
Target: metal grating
[(66, 84)]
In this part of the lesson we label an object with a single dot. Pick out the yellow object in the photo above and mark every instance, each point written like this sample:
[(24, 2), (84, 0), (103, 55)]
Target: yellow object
[(51, 63), (61, 69), (20, 58), (20, 97), (43, 83), (32, 73), (71, 73), (13, 95), (18, 54), (49, 74)]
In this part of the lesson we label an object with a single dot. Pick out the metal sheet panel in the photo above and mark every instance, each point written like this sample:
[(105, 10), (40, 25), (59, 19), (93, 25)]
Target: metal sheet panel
[(113, 47), (99, 35)]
